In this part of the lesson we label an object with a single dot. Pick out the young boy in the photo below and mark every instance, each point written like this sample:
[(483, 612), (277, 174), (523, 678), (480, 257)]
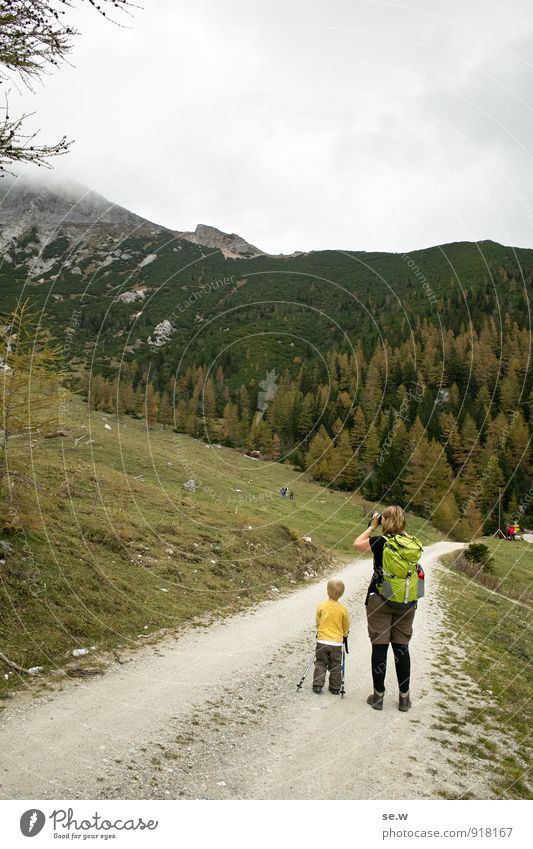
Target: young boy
[(332, 625)]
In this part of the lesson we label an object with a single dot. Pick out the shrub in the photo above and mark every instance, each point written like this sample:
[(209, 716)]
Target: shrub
[(479, 555)]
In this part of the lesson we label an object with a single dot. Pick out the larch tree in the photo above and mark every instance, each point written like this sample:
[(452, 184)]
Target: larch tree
[(209, 407), (35, 37), (166, 411), (518, 449), (510, 391), (317, 457), (370, 449), (428, 477), (231, 423), (151, 405), (358, 430), (445, 517), (347, 475)]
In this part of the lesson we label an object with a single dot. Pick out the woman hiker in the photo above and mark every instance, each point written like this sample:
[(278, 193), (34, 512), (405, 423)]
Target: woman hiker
[(386, 624)]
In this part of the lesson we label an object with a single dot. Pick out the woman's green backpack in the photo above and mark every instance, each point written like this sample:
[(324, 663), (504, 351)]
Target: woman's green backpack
[(401, 584)]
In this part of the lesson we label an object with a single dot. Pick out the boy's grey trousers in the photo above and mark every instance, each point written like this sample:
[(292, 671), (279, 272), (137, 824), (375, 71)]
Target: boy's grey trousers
[(328, 657)]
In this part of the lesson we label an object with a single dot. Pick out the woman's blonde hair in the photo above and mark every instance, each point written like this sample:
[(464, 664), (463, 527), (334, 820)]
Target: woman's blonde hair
[(335, 589), (392, 520)]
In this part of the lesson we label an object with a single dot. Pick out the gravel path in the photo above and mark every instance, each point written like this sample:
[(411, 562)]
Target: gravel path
[(215, 714)]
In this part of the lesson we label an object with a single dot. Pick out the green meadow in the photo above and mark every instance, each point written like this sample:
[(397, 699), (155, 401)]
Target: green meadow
[(108, 549)]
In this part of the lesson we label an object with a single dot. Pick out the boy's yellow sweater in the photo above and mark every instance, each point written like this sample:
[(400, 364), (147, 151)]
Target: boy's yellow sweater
[(332, 622)]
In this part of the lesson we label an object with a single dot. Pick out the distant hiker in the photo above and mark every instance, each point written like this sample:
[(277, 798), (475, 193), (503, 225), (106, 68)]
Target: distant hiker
[(291, 495), (510, 531), (283, 491), (332, 626), (391, 600)]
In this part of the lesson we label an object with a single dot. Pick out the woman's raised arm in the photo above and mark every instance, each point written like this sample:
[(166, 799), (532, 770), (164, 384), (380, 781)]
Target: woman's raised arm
[(362, 542)]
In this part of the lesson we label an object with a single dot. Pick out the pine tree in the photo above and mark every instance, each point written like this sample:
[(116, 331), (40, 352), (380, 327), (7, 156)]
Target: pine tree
[(469, 446), (306, 420), (452, 438), (487, 493), (390, 470)]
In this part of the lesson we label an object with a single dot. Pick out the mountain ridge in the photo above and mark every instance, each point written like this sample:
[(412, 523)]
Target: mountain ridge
[(50, 204)]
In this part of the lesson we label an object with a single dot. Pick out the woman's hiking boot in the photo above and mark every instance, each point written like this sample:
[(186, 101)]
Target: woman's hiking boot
[(316, 689), (404, 702), (334, 691), (375, 700)]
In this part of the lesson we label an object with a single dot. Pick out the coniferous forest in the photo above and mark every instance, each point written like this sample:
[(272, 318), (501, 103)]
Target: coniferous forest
[(405, 377), (395, 424)]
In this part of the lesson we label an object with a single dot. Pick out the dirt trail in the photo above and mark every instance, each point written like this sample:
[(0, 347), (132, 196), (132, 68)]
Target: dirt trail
[(215, 714)]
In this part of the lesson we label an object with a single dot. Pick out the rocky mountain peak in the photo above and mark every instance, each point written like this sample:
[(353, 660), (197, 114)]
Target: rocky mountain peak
[(51, 207), (230, 244)]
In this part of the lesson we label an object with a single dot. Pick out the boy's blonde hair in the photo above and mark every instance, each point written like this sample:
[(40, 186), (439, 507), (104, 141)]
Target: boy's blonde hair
[(392, 520), (335, 589)]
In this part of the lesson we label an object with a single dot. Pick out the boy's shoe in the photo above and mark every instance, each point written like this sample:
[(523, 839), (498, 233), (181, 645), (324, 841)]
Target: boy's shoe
[(333, 691), (375, 700), (404, 703), (317, 689)]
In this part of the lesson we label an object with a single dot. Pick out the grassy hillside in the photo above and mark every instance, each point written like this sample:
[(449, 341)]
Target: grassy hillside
[(495, 633), (107, 546)]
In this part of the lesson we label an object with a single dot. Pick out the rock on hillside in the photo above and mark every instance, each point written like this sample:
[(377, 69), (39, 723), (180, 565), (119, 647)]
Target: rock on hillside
[(230, 244)]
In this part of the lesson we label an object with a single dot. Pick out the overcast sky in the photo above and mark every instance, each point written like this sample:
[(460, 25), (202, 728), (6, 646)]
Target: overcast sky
[(306, 124)]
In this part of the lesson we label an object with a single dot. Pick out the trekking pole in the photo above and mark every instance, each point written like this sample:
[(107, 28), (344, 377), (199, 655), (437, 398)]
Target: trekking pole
[(307, 668), (343, 663)]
